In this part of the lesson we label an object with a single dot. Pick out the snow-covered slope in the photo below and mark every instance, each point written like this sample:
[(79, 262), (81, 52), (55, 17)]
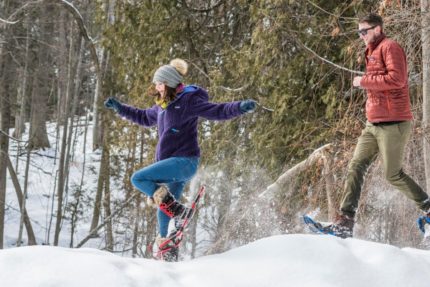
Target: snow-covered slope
[(285, 260)]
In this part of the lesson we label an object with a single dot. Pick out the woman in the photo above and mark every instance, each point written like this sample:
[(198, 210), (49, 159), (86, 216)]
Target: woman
[(176, 114)]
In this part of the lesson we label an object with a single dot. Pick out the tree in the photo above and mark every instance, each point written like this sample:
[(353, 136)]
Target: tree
[(7, 88), (425, 40), (42, 76)]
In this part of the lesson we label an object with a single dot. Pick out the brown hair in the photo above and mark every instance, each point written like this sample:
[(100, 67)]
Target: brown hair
[(372, 19), (169, 94)]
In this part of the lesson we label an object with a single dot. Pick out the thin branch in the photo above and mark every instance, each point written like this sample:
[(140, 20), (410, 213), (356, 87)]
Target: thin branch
[(327, 12), (106, 221), (22, 9), (12, 138), (265, 108), (227, 89), (84, 31), (205, 10), (77, 16), (8, 22), (200, 70), (327, 61)]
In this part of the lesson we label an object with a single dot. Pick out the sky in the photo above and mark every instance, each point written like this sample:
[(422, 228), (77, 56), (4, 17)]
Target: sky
[(282, 260)]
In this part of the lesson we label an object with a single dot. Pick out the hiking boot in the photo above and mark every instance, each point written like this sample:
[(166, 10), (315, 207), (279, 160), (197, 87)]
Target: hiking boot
[(342, 226), (172, 255), (151, 202), (169, 205), (169, 252)]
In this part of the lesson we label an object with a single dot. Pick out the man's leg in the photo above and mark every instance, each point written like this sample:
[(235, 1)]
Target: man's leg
[(364, 154), (392, 140)]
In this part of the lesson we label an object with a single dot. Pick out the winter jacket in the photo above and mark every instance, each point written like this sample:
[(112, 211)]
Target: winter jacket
[(386, 82), (177, 124)]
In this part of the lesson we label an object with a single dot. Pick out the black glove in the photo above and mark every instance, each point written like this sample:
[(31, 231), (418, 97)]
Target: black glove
[(112, 103)]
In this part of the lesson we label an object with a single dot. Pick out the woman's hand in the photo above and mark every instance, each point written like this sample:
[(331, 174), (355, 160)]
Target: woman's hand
[(112, 103)]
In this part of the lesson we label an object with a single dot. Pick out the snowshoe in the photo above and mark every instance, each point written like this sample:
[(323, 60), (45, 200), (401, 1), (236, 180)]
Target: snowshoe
[(423, 223), (169, 248), (339, 228)]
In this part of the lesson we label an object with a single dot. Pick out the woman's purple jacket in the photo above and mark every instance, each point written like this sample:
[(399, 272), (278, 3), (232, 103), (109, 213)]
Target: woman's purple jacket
[(177, 124)]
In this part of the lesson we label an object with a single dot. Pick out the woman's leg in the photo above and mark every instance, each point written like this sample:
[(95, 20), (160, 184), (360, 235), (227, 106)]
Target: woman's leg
[(174, 172)]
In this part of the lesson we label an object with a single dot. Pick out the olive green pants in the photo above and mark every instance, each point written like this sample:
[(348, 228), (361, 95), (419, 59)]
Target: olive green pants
[(389, 141)]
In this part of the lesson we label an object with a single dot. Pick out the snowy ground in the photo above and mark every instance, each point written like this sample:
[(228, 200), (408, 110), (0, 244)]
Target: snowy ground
[(284, 260), (42, 185)]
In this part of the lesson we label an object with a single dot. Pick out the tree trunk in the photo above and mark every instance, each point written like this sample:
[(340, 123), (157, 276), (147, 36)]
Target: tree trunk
[(6, 76), (425, 40), (22, 95), (106, 203), (62, 170), (43, 74), (21, 200), (98, 200), (75, 207), (137, 216), (97, 128)]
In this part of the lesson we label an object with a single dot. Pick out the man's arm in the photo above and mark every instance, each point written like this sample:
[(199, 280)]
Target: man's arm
[(396, 76)]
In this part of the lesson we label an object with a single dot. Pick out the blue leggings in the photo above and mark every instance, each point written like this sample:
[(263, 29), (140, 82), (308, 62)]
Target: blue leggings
[(174, 172)]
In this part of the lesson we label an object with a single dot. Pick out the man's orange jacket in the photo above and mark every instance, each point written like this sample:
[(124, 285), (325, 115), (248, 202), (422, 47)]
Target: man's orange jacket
[(386, 82)]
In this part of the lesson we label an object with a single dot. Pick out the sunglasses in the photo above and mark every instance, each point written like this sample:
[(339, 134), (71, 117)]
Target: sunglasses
[(363, 32)]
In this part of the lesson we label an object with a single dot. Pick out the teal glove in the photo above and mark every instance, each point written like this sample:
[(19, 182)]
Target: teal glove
[(247, 106), (112, 103)]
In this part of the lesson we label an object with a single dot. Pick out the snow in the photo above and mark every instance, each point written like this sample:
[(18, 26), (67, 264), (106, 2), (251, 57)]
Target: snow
[(283, 260)]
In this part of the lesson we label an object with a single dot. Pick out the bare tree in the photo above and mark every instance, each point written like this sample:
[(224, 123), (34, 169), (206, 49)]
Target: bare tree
[(6, 90), (43, 73), (425, 39), (107, 204), (22, 95)]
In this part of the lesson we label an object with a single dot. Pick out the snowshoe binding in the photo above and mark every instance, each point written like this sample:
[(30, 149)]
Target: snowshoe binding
[(168, 248)]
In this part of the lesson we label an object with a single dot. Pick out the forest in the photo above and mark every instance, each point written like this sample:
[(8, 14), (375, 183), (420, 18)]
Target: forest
[(60, 60)]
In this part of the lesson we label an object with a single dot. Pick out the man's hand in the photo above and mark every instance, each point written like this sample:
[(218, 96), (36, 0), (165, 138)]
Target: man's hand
[(356, 81)]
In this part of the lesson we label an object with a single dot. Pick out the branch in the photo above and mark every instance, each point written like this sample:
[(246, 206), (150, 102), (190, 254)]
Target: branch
[(12, 138), (8, 22), (327, 12), (327, 61), (287, 177), (106, 221), (75, 13), (84, 31), (205, 10), (23, 8), (227, 89)]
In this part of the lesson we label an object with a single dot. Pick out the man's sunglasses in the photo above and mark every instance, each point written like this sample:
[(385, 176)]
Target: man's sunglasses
[(363, 32)]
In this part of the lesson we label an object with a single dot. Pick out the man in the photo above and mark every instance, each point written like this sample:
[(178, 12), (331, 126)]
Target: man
[(388, 127)]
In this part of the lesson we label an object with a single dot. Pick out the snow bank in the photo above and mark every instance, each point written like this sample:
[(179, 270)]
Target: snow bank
[(285, 260)]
